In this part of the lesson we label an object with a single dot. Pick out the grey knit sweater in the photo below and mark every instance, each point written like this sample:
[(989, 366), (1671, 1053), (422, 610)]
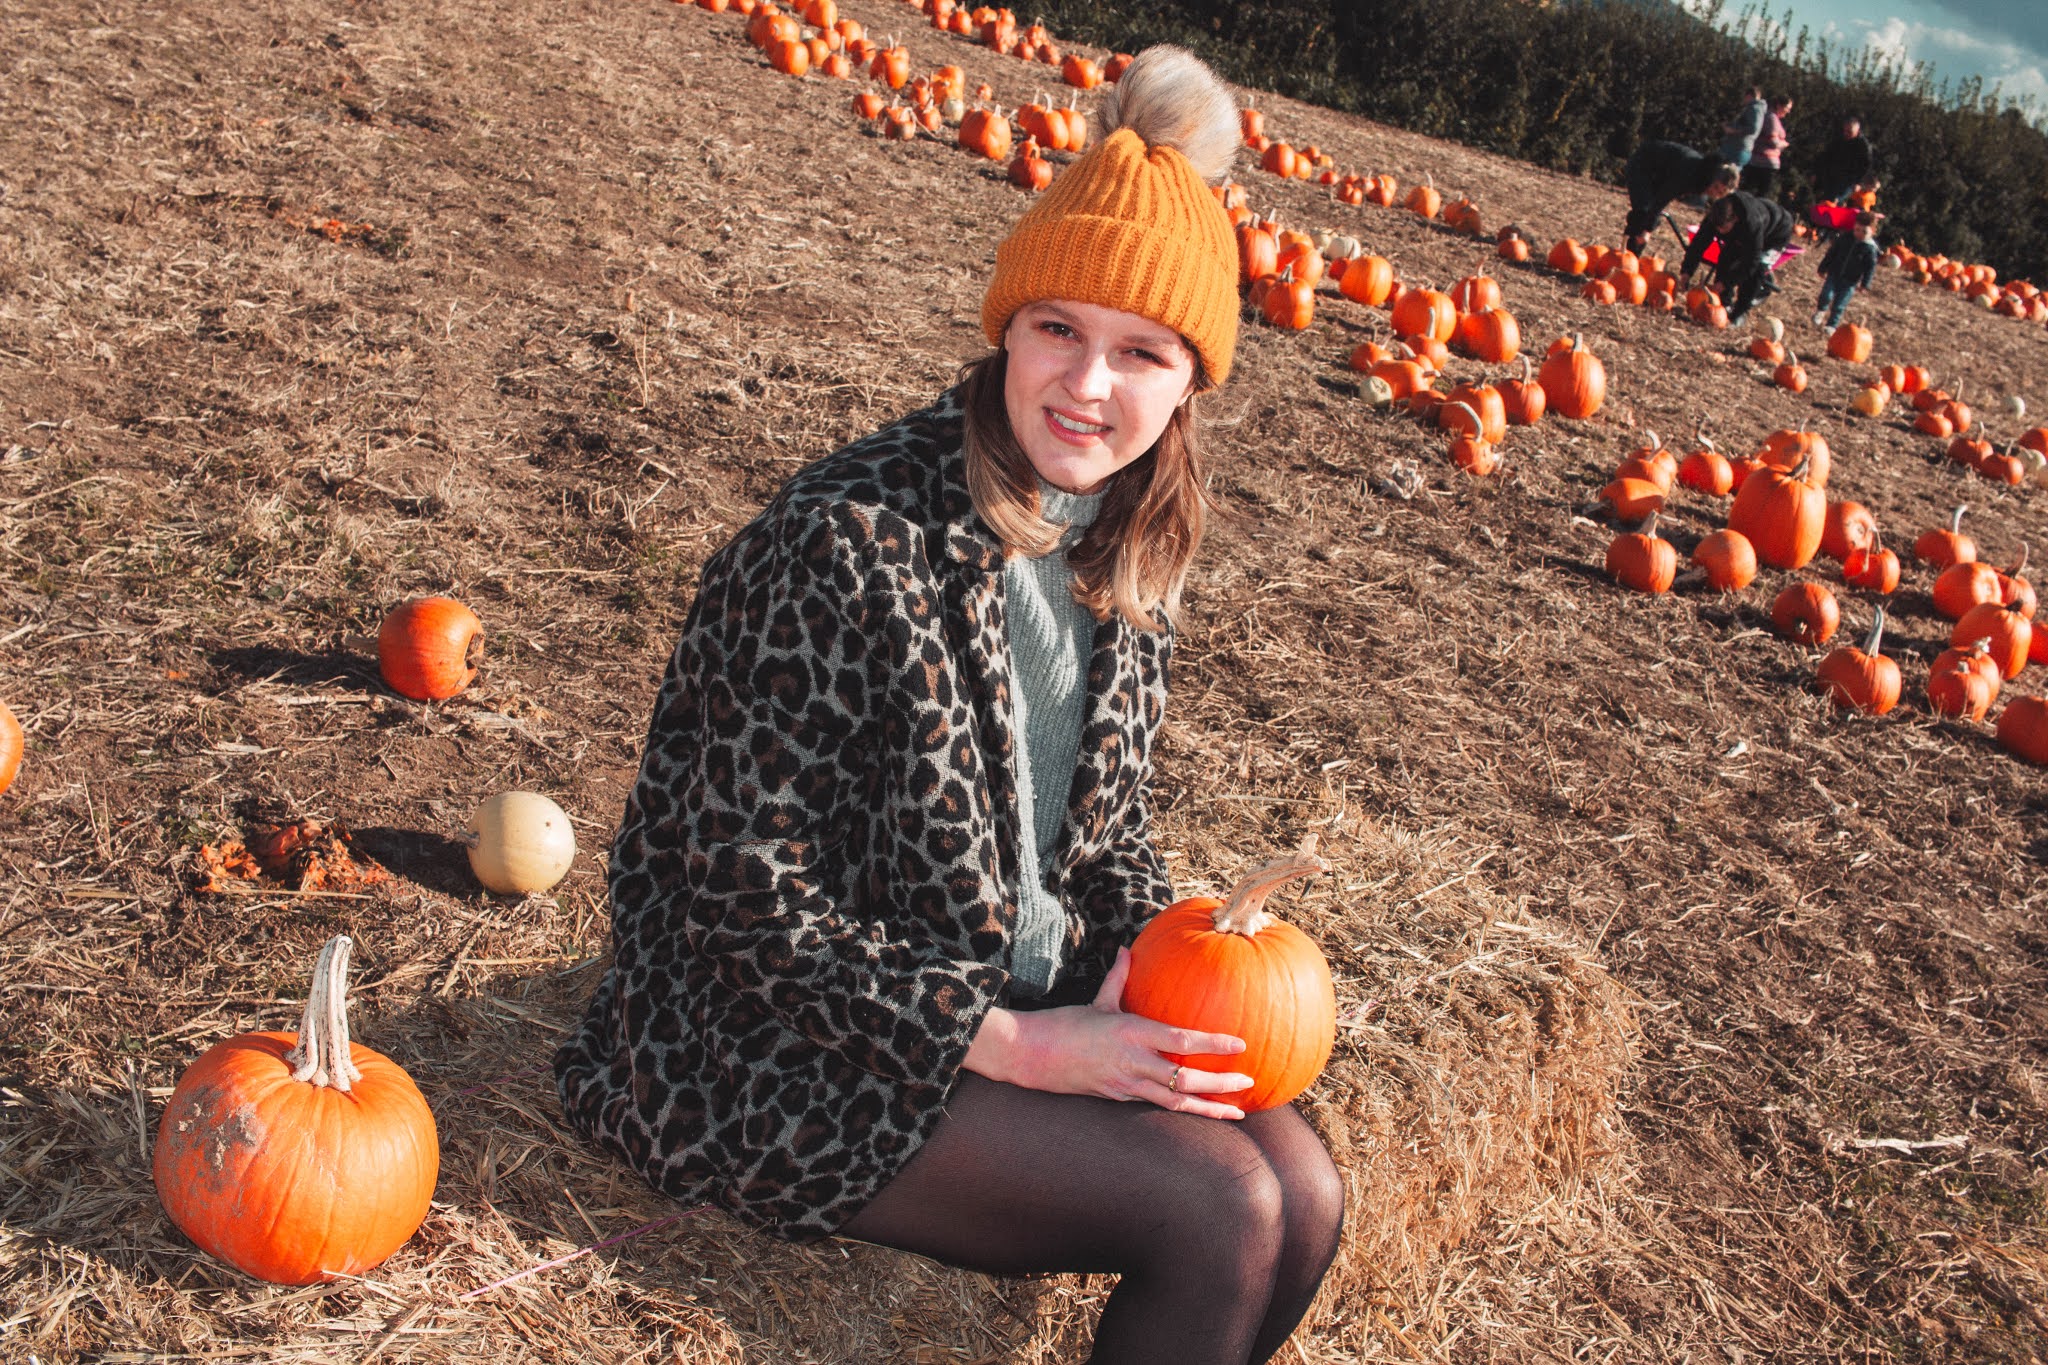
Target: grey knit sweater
[(1051, 637)]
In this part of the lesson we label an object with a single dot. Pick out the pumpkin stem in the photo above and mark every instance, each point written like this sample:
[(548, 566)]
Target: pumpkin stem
[(322, 1055), (1955, 522), (1655, 444), (1244, 912), (1876, 632), (2018, 565)]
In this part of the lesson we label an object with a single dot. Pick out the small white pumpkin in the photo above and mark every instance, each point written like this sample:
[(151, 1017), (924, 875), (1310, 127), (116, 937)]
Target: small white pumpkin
[(519, 843), (2033, 465), (2017, 406)]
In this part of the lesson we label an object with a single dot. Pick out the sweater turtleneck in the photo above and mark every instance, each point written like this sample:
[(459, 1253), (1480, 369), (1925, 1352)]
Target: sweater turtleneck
[(1051, 638)]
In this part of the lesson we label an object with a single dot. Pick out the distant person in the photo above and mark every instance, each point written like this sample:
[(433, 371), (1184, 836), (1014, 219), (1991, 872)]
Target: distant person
[(1845, 167), (1767, 152), (1660, 172), (1750, 231), (1738, 135), (1849, 265)]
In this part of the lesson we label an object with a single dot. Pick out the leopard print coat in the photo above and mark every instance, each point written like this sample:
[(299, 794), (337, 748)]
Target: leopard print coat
[(812, 886)]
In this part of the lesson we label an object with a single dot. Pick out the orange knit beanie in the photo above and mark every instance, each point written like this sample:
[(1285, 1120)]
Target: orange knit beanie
[(1133, 225)]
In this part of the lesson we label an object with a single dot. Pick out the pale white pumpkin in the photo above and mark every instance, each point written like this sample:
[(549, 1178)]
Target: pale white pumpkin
[(519, 843)]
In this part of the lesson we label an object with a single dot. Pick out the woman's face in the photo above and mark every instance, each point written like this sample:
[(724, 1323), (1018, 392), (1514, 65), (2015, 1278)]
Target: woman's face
[(1089, 389)]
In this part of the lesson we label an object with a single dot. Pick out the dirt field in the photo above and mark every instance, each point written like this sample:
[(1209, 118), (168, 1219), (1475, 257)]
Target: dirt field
[(596, 281)]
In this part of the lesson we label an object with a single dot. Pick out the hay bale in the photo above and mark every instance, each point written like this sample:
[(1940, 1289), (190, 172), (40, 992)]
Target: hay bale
[(1479, 1054), (1474, 1081)]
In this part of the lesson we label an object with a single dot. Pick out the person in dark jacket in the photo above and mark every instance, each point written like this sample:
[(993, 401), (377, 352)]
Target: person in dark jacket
[(875, 885), (1750, 231), (1659, 172), (1846, 166), (1850, 264), (1738, 135)]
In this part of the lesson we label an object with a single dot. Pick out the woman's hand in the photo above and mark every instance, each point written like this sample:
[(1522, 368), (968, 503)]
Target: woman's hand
[(1100, 1050)]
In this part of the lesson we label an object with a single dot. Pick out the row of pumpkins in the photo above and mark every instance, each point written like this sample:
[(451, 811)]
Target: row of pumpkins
[(816, 39), (1781, 516), (1978, 283), (1991, 641), (1281, 267)]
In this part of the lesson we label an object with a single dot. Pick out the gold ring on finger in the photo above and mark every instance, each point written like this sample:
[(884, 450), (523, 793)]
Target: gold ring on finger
[(1173, 1081)]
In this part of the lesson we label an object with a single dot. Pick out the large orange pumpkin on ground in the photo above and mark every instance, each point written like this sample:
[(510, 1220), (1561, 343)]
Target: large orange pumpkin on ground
[(1229, 967), (1574, 381), (1861, 679), (1782, 514), (2023, 728), (298, 1158), (427, 649), (11, 745)]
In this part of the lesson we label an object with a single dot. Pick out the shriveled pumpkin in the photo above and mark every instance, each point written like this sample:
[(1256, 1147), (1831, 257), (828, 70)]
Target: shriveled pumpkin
[(298, 1158), (1228, 966)]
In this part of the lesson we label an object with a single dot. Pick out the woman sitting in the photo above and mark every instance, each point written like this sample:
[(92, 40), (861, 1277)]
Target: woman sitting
[(891, 834)]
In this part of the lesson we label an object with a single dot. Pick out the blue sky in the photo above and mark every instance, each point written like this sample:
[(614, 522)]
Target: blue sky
[(2002, 41)]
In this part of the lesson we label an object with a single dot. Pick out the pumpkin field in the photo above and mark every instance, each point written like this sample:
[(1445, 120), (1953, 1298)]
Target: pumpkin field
[(1689, 1008)]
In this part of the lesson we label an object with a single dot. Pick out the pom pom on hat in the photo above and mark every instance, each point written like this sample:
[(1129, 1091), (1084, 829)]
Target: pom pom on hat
[(1132, 225)]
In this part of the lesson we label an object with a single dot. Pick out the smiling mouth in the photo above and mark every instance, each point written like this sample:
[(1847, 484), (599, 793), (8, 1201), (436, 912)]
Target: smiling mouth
[(1075, 425)]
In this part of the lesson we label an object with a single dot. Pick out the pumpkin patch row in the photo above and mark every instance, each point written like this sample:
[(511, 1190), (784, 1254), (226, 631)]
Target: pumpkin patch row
[(1782, 517), (840, 48), (1977, 283)]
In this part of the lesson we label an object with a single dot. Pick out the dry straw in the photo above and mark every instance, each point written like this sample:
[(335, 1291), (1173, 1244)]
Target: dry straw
[(1474, 1080)]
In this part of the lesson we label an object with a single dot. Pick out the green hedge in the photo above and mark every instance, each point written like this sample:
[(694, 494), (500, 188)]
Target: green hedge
[(1575, 85)]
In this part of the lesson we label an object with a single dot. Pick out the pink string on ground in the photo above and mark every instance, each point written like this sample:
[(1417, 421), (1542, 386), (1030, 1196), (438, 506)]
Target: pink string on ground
[(583, 1251)]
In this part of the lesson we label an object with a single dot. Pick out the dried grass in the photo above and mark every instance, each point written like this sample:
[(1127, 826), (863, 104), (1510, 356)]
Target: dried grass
[(639, 281)]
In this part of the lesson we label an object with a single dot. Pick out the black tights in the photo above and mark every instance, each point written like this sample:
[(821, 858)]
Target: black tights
[(1219, 1230)]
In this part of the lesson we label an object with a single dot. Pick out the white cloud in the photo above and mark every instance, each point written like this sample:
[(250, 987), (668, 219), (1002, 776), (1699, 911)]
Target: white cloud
[(1954, 54)]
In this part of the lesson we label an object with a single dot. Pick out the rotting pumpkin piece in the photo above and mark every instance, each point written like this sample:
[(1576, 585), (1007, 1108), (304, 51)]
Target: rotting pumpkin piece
[(304, 855)]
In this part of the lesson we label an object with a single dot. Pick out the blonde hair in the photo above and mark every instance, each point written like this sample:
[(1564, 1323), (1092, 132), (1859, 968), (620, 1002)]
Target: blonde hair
[(1134, 558)]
